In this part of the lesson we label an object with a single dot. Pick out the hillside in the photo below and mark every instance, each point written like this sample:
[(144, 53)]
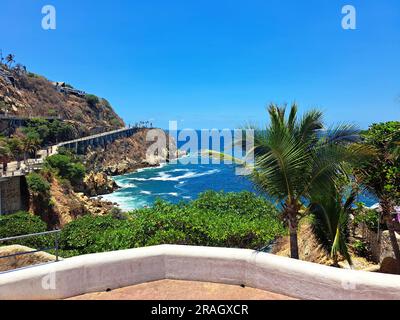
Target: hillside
[(25, 94)]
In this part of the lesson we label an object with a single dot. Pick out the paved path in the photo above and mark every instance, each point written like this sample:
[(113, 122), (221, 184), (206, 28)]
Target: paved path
[(183, 290), (20, 169)]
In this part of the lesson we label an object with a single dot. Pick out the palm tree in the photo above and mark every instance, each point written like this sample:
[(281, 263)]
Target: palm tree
[(10, 59), (331, 220), (294, 157), (31, 144), (4, 152), (16, 148)]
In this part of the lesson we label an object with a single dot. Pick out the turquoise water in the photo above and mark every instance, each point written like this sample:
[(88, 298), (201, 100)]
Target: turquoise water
[(175, 183), (181, 182)]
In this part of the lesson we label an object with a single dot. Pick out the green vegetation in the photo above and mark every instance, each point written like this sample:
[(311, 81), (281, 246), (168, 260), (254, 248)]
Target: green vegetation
[(381, 173), (293, 160), (360, 248), (92, 100), (115, 122), (26, 141), (367, 216), (240, 220), (31, 143), (33, 75), (37, 184), (22, 223), (5, 150), (66, 167), (331, 221), (50, 132)]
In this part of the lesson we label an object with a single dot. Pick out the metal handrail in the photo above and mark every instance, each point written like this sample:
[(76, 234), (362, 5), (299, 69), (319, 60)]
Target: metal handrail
[(55, 232)]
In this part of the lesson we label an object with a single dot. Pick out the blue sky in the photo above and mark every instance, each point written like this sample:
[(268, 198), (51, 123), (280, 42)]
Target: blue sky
[(216, 63)]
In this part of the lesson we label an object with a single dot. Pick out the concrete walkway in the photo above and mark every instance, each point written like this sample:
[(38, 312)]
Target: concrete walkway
[(183, 290), (15, 169)]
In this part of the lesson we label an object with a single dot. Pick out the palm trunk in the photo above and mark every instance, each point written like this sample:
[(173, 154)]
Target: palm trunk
[(293, 223)]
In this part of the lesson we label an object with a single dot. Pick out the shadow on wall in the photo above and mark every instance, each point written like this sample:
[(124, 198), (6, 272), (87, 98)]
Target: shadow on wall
[(14, 195)]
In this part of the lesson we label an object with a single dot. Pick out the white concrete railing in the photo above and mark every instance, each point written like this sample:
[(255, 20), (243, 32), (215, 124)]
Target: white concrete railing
[(98, 272)]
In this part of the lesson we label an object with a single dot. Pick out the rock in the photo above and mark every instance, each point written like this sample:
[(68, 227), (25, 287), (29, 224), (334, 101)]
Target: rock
[(97, 183), (129, 154), (390, 265), (21, 261)]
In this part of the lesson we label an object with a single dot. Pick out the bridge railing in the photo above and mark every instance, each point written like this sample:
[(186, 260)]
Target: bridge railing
[(56, 234), (29, 117)]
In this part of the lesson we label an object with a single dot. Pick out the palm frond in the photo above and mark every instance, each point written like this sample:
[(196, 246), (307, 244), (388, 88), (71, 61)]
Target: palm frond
[(331, 219)]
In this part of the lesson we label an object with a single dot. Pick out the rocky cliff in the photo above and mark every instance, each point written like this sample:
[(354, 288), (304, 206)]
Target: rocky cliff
[(128, 154), (24, 95), (29, 95)]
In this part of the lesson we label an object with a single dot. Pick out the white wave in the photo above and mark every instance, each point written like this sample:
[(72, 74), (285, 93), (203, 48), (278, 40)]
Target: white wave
[(166, 177), (178, 170), (145, 192), (123, 185), (174, 194)]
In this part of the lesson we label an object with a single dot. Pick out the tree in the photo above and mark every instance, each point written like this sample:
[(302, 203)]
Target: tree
[(5, 152), (17, 149), (294, 157), (66, 167), (37, 184), (381, 173), (10, 59), (31, 143)]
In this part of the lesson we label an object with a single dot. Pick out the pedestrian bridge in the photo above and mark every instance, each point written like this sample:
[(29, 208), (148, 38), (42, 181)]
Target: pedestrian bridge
[(13, 190), (98, 140)]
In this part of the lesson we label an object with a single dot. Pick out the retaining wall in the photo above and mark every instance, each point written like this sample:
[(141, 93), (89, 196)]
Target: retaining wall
[(98, 272), (13, 194)]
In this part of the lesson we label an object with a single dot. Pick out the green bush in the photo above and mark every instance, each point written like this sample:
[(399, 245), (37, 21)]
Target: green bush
[(22, 223), (240, 220), (37, 184), (360, 248), (92, 100), (83, 234), (369, 217), (50, 132), (66, 167)]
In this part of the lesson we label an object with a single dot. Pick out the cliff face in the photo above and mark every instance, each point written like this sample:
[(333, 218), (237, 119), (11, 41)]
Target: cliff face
[(63, 205), (127, 155), (31, 95), (26, 95)]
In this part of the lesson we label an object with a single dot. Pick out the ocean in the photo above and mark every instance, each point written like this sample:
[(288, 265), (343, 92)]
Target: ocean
[(182, 182), (175, 183)]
